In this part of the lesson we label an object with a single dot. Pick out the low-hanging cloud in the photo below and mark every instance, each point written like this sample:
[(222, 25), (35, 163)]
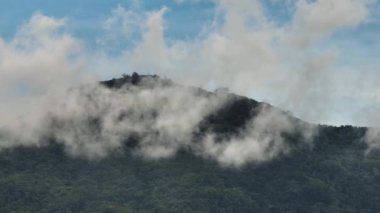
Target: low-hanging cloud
[(40, 59), (43, 70), (93, 121), (263, 139)]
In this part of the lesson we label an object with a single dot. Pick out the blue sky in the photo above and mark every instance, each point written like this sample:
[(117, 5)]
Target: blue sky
[(184, 20), (207, 33), (86, 16)]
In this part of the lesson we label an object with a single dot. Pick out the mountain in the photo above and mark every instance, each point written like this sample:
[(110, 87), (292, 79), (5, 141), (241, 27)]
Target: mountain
[(330, 171)]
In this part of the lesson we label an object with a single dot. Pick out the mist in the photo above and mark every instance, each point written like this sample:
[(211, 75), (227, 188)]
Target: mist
[(48, 81)]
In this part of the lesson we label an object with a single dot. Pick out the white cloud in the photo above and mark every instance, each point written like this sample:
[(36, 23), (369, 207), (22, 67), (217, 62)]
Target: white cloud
[(39, 56), (186, 1), (319, 19), (39, 60), (151, 53), (246, 53), (121, 27), (261, 140)]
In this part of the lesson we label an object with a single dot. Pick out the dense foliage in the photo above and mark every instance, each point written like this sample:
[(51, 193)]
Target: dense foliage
[(334, 176)]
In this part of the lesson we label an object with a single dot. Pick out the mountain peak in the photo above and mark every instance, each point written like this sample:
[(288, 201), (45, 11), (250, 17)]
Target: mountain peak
[(134, 79)]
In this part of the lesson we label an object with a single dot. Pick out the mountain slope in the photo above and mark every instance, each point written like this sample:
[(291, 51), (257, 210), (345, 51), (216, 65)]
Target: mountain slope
[(333, 174)]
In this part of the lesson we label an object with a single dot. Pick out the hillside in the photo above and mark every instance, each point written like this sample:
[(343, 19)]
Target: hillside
[(332, 173)]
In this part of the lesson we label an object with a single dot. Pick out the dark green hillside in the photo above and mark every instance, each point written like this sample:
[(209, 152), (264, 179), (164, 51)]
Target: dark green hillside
[(334, 175)]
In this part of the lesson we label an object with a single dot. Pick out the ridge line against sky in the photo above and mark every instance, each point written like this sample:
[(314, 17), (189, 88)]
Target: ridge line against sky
[(317, 59)]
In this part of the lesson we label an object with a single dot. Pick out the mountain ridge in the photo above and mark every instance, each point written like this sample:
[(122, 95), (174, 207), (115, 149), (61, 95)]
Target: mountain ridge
[(334, 173)]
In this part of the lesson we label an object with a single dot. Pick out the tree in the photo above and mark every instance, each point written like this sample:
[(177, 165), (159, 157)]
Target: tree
[(135, 78)]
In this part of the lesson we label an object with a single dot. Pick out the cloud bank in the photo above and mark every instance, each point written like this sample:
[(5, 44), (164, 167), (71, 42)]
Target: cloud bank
[(244, 51)]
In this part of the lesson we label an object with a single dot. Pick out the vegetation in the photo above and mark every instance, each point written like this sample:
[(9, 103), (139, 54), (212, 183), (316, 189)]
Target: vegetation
[(335, 176)]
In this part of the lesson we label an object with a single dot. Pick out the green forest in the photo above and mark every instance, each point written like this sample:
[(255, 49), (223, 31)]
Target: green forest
[(334, 176)]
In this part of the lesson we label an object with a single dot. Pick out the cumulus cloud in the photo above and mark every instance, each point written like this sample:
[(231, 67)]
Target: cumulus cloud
[(39, 55), (253, 56), (40, 59), (319, 19), (151, 53), (121, 27)]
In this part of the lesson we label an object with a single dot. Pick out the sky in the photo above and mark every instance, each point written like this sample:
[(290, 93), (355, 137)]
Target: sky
[(317, 59)]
